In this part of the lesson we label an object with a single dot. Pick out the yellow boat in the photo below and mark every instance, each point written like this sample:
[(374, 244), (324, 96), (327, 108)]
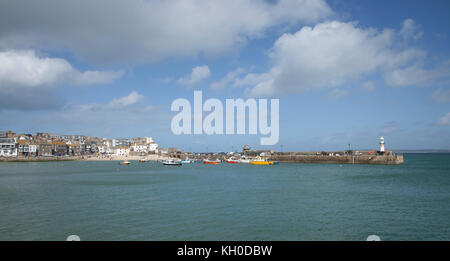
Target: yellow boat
[(263, 162)]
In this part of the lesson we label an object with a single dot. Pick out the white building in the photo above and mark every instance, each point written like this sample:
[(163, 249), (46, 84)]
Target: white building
[(8, 147), (33, 148), (107, 147), (110, 150), (122, 151), (137, 147), (102, 149), (121, 143), (153, 147)]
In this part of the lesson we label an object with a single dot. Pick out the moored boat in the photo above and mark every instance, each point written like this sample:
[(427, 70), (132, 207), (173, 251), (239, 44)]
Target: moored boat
[(143, 160), (187, 161), (207, 161), (244, 160), (171, 162), (126, 162), (232, 160), (260, 161)]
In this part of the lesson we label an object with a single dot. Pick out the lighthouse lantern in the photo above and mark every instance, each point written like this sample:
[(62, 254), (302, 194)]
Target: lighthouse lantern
[(381, 144)]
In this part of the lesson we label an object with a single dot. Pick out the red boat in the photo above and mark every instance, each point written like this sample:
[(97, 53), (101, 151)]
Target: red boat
[(211, 161)]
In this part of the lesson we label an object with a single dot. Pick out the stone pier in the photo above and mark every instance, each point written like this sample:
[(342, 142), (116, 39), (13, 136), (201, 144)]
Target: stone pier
[(357, 159)]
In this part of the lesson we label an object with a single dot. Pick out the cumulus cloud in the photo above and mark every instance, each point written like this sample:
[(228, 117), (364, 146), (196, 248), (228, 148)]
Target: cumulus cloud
[(96, 119), (116, 104), (26, 69), (125, 101), (444, 120), (417, 75), (197, 75), (327, 55), (441, 96), (143, 31), (228, 80), (411, 30), (24, 75)]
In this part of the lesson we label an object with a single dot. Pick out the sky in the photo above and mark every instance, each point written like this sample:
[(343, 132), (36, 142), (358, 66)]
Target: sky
[(344, 71)]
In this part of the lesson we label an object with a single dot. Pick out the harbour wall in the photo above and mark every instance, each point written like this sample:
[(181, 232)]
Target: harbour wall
[(357, 159)]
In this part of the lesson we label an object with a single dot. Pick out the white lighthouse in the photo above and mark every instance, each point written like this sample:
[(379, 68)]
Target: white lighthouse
[(382, 144)]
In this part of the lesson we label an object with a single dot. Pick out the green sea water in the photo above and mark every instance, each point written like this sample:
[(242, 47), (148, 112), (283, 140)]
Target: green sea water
[(149, 201)]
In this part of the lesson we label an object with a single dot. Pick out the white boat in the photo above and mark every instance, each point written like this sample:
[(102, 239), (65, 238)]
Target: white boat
[(143, 160), (126, 162), (208, 161), (171, 162), (244, 160), (187, 161), (232, 160)]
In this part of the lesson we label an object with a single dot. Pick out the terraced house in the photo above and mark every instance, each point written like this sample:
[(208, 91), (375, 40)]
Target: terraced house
[(24, 148), (8, 147), (44, 148), (46, 144), (59, 148)]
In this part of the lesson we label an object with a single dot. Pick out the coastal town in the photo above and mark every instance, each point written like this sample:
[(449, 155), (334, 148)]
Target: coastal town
[(50, 145), (44, 146)]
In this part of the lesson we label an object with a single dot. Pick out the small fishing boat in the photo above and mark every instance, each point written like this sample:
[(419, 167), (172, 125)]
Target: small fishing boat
[(187, 161), (259, 161), (244, 160), (171, 162), (126, 162), (207, 161), (143, 160), (232, 160)]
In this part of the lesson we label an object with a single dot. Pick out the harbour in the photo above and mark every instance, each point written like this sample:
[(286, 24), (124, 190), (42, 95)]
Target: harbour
[(101, 200), (49, 147), (291, 157)]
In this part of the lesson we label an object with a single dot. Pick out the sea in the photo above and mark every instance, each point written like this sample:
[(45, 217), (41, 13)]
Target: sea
[(102, 200)]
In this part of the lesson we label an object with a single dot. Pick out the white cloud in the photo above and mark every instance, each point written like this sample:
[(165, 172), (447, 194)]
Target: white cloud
[(197, 75), (327, 55), (251, 79), (444, 120), (441, 96), (96, 77), (26, 79), (143, 31), (368, 86), (411, 30), (125, 101), (26, 69), (417, 75), (228, 80), (96, 119)]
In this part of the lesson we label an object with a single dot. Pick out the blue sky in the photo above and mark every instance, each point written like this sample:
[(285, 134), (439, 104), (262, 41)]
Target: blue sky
[(344, 71)]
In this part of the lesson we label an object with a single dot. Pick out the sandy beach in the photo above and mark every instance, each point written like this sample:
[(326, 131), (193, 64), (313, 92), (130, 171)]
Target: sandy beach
[(82, 158), (121, 158)]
